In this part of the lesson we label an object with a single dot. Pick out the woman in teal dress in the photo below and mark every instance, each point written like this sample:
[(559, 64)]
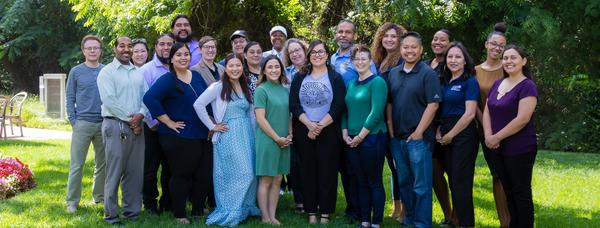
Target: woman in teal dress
[(233, 172), (273, 135)]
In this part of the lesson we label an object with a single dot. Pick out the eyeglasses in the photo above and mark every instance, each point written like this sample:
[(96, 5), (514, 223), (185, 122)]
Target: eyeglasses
[(496, 45), (207, 47), (295, 51), (139, 40), (92, 48), (319, 52)]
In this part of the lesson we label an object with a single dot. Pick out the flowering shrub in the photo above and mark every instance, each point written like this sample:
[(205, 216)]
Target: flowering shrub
[(15, 177)]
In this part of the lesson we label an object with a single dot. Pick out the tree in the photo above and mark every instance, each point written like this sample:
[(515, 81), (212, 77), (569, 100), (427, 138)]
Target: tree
[(37, 37)]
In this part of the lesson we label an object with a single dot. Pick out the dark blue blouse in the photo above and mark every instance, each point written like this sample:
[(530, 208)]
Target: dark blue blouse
[(173, 97)]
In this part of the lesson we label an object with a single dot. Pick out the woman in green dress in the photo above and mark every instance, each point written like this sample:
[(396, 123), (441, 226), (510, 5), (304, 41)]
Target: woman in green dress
[(273, 136)]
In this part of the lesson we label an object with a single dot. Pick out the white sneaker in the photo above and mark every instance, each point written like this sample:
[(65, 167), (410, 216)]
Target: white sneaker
[(71, 209)]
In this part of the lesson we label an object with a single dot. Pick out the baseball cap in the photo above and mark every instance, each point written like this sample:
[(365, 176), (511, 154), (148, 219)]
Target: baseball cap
[(278, 28), (237, 33)]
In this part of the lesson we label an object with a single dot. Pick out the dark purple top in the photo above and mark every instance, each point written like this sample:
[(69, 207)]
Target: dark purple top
[(505, 110)]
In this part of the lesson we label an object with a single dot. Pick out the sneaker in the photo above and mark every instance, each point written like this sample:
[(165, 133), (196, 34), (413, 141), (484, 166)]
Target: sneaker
[(71, 209)]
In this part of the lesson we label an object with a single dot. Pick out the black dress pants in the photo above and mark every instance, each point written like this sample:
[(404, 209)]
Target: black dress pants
[(188, 160), (459, 161), (515, 173), (318, 160), (154, 158)]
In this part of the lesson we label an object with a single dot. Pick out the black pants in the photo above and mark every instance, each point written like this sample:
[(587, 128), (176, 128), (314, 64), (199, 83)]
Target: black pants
[(459, 161), (294, 177), (188, 160), (153, 158), (350, 184), (210, 197), (515, 174), (319, 160)]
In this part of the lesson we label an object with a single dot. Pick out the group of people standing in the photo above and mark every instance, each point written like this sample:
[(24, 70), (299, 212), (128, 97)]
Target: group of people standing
[(227, 134)]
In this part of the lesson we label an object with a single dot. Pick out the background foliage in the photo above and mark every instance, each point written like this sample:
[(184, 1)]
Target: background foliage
[(561, 36)]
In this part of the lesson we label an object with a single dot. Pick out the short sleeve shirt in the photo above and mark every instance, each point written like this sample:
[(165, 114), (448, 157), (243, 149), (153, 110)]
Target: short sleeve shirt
[(316, 96), (274, 98), (409, 94), (455, 93), (505, 109)]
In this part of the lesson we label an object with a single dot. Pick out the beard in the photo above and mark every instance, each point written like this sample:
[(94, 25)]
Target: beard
[(163, 60), (344, 45), (187, 39)]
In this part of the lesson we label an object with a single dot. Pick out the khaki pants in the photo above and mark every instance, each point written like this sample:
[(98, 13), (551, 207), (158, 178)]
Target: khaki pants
[(85, 133)]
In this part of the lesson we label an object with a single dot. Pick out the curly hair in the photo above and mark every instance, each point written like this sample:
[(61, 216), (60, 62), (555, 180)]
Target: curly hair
[(384, 60)]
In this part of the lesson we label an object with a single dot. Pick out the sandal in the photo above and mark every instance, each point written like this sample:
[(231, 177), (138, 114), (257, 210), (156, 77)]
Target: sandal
[(324, 219), (312, 218)]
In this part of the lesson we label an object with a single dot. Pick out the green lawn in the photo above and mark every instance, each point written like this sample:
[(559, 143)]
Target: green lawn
[(566, 193), (34, 116)]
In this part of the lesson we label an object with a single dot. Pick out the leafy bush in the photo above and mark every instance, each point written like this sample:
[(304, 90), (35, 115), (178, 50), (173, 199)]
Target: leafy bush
[(568, 115), (15, 177)]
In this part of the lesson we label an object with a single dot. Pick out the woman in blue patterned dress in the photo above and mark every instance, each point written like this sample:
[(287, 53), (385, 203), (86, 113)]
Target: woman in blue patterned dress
[(233, 172)]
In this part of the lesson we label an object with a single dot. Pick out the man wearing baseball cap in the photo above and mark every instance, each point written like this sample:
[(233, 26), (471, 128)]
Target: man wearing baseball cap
[(238, 39), (278, 37)]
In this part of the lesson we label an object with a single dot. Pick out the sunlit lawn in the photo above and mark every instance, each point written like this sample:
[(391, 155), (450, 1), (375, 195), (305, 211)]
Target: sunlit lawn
[(566, 193)]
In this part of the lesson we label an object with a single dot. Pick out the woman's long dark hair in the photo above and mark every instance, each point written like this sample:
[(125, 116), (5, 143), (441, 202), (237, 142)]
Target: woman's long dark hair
[(176, 46), (469, 69), (308, 67), (228, 87), (526, 69)]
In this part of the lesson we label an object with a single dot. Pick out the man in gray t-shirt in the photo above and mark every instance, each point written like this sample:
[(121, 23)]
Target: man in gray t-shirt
[(83, 108)]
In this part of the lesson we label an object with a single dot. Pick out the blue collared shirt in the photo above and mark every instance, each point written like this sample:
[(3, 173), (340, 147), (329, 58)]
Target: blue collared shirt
[(151, 72), (343, 65), (290, 71), (121, 88), (456, 92), (195, 53)]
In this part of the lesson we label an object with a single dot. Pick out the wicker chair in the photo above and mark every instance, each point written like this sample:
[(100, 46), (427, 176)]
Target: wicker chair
[(11, 111)]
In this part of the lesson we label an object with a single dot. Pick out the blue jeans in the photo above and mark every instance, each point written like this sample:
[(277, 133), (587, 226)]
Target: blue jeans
[(413, 163)]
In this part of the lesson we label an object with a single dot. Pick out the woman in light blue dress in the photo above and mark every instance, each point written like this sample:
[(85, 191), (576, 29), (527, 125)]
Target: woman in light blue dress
[(234, 177)]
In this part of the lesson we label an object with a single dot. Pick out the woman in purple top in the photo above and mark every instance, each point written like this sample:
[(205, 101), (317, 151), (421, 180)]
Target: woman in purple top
[(509, 131)]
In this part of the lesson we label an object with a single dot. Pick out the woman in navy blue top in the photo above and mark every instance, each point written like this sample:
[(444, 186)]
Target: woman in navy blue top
[(457, 132), (181, 134)]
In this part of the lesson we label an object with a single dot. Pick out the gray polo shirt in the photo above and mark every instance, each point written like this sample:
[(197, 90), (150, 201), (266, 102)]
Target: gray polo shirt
[(83, 98), (409, 94)]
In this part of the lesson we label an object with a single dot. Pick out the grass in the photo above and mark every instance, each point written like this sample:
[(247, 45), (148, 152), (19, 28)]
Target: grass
[(34, 116), (566, 193)]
